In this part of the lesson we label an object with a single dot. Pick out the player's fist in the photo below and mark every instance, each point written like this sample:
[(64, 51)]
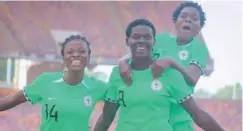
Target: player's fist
[(160, 65), (125, 72)]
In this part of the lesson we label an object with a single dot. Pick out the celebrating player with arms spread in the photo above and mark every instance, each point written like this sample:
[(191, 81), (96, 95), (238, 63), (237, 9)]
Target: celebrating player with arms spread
[(182, 52), (66, 98), (146, 104)]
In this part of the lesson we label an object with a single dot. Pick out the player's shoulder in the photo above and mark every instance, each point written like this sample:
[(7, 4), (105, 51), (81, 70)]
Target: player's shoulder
[(164, 34), (115, 72), (45, 76), (196, 43), (96, 81), (164, 39), (95, 84), (171, 75), (115, 77)]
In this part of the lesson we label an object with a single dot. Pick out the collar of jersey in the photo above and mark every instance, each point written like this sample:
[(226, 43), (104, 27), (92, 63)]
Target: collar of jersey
[(185, 45), (81, 82)]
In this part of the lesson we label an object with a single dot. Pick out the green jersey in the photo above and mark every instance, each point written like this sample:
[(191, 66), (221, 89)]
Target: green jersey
[(193, 53), (146, 104), (64, 107)]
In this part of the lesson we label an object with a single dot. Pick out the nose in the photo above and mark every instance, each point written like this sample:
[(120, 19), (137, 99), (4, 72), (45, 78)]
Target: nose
[(142, 40), (76, 54), (188, 20)]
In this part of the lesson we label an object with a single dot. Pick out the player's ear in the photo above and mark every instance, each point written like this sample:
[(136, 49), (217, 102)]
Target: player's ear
[(127, 43)]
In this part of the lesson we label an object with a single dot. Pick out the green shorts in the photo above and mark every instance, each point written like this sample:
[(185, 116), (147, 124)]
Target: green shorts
[(183, 126)]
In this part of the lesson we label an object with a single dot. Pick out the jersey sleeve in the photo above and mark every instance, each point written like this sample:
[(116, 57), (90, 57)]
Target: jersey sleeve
[(200, 56), (32, 92), (177, 86), (102, 88), (113, 84)]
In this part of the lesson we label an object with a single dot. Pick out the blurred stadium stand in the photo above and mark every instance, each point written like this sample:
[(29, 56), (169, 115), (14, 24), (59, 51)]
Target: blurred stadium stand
[(26, 32)]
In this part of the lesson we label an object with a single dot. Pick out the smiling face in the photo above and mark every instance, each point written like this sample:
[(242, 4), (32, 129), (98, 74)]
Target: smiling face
[(141, 41), (76, 55), (188, 23)]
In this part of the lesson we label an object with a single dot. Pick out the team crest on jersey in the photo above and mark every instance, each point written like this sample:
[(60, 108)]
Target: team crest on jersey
[(183, 54), (156, 85), (88, 101)]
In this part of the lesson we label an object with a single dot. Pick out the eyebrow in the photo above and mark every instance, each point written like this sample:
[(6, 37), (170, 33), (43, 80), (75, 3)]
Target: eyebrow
[(188, 13)]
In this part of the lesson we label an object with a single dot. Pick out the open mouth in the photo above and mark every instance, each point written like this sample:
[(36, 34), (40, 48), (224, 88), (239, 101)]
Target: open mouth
[(141, 49), (186, 28), (76, 62)]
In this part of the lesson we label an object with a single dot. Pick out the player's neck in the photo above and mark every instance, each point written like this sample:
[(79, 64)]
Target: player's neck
[(141, 64), (181, 42), (73, 78)]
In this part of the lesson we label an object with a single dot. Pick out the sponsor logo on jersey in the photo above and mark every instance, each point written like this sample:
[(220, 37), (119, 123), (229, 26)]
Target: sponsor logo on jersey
[(183, 54), (156, 85), (88, 101)]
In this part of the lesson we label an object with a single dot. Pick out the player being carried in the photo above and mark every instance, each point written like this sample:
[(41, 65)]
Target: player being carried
[(145, 105), (66, 98), (181, 52)]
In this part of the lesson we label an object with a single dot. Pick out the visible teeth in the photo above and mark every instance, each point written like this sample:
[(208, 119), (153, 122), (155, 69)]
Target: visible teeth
[(141, 48), (76, 62)]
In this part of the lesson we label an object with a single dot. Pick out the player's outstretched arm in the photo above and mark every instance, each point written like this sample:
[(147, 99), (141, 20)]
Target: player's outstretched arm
[(12, 100), (201, 118), (106, 118), (181, 92)]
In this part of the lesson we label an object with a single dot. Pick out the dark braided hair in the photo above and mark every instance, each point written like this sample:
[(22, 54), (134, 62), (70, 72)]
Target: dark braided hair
[(195, 5), (75, 37)]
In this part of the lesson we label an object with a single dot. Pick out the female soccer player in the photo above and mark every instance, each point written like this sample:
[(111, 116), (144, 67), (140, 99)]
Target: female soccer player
[(145, 105), (184, 53), (66, 98)]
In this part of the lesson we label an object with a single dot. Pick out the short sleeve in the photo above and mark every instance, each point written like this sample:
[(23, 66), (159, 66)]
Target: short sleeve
[(177, 86), (32, 92), (200, 56), (113, 84), (101, 88)]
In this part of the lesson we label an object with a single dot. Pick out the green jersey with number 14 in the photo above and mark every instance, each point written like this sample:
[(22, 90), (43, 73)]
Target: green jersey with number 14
[(64, 107)]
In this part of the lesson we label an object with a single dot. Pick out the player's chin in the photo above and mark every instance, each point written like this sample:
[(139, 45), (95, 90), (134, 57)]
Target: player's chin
[(141, 54), (186, 36), (77, 68), (142, 57)]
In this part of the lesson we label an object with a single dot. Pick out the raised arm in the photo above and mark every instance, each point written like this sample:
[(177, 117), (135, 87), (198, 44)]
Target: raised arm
[(199, 57), (198, 63)]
